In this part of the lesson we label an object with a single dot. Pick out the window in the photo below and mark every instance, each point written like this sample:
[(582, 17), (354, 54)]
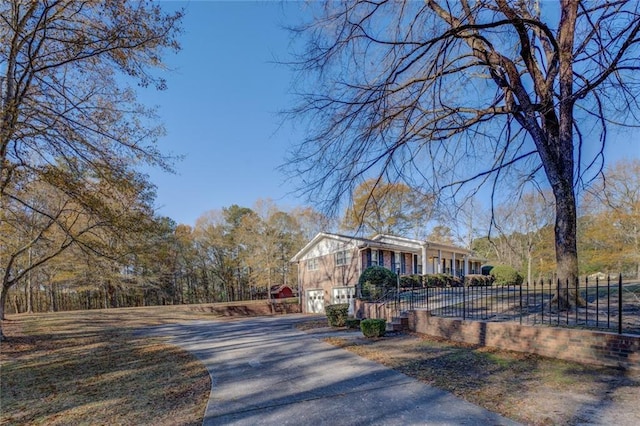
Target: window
[(342, 257), (312, 264), (374, 257)]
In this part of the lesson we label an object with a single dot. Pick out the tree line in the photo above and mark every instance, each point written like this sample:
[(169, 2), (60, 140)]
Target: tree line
[(241, 253), (608, 229), (236, 253)]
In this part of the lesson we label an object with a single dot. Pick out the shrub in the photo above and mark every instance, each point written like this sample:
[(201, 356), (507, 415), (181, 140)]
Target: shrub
[(443, 280), (373, 327), (352, 323), (477, 280), (506, 275), (435, 280), (410, 281), (455, 281), (375, 281), (337, 314)]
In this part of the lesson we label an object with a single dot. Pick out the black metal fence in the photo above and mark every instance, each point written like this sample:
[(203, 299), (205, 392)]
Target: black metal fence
[(606, 304)]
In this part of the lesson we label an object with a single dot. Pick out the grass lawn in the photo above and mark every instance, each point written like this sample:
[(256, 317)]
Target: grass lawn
[(87, 367), (527, 388)]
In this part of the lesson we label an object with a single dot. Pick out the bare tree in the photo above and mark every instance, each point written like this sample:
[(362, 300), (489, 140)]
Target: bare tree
[(67, 117), (455, 94), (614, 204), (388, 208), (519, 226)]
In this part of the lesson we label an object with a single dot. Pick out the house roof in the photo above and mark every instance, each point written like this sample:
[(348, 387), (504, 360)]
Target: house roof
[(390, 242)]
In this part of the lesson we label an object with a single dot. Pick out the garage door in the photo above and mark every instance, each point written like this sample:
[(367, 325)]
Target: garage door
[(343, 294), (315, 301)]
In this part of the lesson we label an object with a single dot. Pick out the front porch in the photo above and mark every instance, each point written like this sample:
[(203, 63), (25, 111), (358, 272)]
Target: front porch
[(421, 261)]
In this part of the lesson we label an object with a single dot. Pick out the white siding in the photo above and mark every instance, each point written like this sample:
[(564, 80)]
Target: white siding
[(328, 246)]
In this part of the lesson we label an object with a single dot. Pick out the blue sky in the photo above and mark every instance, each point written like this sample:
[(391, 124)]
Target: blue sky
[(220, 110)]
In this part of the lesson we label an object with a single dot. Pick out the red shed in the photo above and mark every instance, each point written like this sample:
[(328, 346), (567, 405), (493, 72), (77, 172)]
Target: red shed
[(281, 291)]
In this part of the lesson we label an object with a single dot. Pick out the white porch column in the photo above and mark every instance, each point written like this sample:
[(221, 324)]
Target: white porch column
[(466, 265), (424, 260), (453, 263), (439, 261)]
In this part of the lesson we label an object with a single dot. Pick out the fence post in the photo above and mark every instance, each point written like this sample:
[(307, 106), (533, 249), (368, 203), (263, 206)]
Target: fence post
[(620, 303), (559, 290), (521, 301), (608, 300), (464, 304), (541, 298), (586, 301), (597, 302), (426, 286), (577, 284)]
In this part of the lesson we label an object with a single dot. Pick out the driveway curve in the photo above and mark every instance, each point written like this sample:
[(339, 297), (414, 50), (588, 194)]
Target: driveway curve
[(266, 372)]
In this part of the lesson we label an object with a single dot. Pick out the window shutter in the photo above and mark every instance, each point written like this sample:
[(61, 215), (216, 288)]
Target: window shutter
[(393, 262), (368, 257), (380, 258), (403, 264)]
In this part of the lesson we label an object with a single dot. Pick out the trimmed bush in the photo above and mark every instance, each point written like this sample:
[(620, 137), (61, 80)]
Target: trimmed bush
[(443, 280), (455, 281), (352, 323), (410, 281), (373, 327), (477, 280), (375, 281), (506, 275), (337, 314)]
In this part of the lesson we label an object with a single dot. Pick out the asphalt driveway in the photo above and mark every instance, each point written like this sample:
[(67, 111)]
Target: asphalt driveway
[(265, 372)]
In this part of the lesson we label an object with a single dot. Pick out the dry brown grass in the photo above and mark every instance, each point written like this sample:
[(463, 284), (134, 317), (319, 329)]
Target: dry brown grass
[(89, 368), (524, 387)]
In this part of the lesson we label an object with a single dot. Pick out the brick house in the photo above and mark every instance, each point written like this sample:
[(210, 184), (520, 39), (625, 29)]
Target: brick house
[(330, 264)]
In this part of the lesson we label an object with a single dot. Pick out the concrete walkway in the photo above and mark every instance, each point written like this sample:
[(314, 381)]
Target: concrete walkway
[(265, 372)]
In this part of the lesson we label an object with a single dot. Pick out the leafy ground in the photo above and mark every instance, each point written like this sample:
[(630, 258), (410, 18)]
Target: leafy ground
[(88, 368), (528, 388)]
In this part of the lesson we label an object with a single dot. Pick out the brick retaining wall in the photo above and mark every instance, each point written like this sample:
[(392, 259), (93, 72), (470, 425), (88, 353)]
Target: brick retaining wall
[(249, 308), (584, 346)]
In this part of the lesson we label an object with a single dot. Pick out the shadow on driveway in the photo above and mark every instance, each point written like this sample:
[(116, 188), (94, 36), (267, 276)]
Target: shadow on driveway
[(266, 372)]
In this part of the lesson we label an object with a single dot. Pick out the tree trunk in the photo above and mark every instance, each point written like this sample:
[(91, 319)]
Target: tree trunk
[(53, 307), (29, 288), (557, 153), (29, 294), (3, 300), (566, 250)]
